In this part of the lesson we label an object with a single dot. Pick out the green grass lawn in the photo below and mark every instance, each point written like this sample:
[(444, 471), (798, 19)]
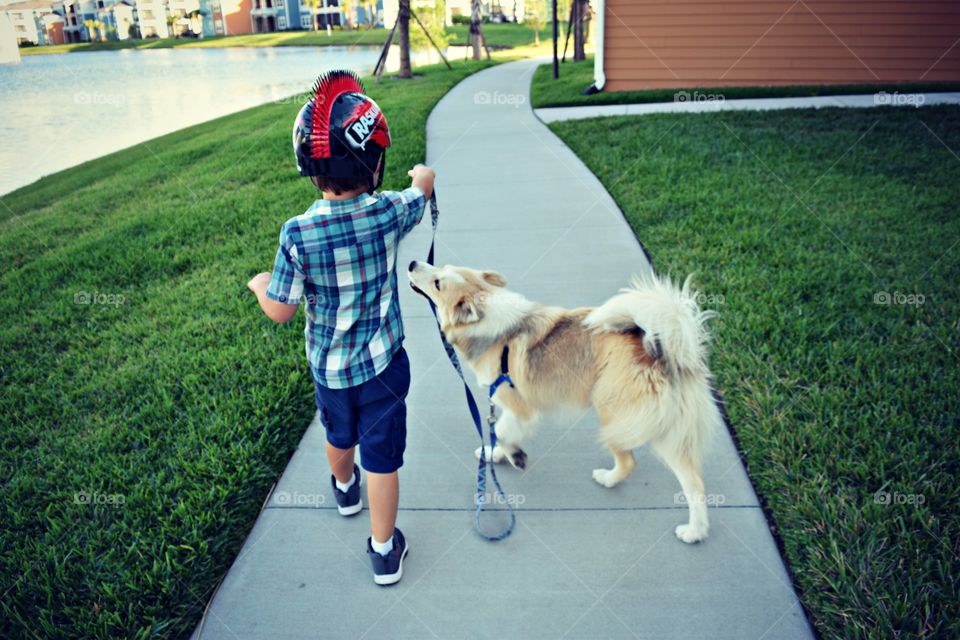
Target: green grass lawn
[(147, 404), (567, 90), (499, 36), (828, 241)]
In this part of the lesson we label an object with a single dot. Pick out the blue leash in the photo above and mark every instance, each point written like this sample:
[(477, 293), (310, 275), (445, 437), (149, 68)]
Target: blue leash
[(481, 494)]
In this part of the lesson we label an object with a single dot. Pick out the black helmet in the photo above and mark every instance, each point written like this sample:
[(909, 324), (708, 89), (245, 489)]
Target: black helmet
[(340, 132)]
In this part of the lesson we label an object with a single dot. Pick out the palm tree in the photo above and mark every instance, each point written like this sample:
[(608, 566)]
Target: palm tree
[(314, 8), (536, 18), (347, 7), (403, 33), (93, 29), (371, 11)]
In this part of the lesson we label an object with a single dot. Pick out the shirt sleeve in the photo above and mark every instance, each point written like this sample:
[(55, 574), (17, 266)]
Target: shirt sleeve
[(410, 205), (286, 282)]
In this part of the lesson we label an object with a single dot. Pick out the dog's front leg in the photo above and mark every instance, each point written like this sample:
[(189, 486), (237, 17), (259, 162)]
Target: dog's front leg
[(510, 434)]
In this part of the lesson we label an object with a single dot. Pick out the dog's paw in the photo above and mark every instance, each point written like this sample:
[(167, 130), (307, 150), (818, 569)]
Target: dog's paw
[(690, 534), (519, 459), (606, 477), (496, 456)]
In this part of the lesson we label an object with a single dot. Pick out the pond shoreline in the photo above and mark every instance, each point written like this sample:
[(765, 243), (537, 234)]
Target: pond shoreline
[(62, 111)]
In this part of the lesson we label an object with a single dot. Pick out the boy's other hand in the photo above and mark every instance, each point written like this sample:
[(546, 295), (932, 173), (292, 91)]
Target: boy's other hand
[(276, 311), (259, 283), (422, 177)]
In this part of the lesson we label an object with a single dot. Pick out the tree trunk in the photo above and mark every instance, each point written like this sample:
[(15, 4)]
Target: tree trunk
[(475, 20), (403, 31), (579, 9)]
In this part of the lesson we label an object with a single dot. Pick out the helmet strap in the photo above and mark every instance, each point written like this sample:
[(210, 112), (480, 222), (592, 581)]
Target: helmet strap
[(377, 178)]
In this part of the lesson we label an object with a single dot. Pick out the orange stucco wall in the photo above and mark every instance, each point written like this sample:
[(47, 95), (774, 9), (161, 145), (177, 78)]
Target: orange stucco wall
[(236, 15)]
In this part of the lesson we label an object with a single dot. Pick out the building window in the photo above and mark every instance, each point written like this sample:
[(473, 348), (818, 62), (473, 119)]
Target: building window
[(282, 22), (306, 21)]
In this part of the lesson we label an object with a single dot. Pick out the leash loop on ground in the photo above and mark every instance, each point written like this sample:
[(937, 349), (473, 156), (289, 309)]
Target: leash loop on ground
[(483, 465)]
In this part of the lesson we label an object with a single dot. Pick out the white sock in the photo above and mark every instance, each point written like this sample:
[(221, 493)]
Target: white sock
[(344, 486), (383, 548)]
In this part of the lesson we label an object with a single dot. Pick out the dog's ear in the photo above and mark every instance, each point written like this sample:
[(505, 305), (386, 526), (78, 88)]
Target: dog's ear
[(466, 311), (494, 278)]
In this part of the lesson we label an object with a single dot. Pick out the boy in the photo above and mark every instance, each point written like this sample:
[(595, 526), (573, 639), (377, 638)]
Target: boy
[(339, 257)]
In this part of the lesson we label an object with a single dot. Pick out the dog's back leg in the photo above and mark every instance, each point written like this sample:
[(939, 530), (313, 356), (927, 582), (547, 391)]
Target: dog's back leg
[(688, 473), (623, 465)]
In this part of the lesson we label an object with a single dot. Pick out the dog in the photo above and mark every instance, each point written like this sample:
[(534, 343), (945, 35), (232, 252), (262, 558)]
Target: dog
[(639, 359)]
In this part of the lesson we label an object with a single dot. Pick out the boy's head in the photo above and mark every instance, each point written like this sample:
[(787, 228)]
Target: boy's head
[(340, 136)]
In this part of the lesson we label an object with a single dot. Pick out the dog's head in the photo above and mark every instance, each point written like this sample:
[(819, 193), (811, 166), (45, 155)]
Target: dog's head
[(460, 294)]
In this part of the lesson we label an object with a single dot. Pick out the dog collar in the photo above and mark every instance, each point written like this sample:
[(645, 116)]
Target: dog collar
[(504, 372)]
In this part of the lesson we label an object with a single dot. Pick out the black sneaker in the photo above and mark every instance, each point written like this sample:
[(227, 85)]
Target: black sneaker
[(388, 569), (348, 502)]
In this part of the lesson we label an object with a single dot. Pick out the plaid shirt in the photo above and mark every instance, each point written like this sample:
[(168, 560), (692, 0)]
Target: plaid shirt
[(340, 258)]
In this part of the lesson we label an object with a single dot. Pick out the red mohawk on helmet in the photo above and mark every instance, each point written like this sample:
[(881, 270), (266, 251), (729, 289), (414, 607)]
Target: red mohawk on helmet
[(327, 89), (340, 132)]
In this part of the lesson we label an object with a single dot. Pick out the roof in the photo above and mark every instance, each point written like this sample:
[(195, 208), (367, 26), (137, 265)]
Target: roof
[(43, 5)]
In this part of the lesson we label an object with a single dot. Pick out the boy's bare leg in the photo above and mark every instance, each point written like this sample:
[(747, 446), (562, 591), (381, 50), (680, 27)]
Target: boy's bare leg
[(341, 463), (383, 496)]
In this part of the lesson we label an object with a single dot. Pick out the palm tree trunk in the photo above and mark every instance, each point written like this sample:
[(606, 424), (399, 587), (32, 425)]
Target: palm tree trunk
[(403, 29)]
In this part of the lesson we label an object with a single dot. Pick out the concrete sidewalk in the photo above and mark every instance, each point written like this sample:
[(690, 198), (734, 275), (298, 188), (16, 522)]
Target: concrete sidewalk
[(692, 103), (584, 561)]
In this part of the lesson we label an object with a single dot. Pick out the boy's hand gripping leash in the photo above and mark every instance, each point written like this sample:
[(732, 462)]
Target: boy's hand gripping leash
[(481, 494)]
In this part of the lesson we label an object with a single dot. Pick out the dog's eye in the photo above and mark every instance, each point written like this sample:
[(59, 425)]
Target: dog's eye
[(436, 283)]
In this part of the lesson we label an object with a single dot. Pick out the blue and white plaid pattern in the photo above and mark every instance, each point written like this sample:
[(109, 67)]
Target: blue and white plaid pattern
[(339, 259)]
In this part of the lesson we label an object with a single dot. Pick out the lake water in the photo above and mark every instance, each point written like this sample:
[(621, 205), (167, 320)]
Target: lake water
[(59, 110)]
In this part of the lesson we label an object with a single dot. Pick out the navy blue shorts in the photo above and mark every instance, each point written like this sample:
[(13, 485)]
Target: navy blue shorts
[(373, 414)]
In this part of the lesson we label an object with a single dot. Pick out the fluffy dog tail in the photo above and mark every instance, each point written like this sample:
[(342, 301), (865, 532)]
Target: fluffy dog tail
[(673, 330), (672, 325)]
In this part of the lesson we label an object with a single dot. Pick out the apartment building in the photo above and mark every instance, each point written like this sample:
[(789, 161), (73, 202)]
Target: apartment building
[(234, 15), (35, 23), (152, 15), (275, 15), (119, 18), (76, 15)]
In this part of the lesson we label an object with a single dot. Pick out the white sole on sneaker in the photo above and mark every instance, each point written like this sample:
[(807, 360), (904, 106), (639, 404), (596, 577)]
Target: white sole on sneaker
[(352, 510), (392, 578)]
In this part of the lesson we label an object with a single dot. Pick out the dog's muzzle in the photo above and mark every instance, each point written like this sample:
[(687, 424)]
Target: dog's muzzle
[(410, 269)]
